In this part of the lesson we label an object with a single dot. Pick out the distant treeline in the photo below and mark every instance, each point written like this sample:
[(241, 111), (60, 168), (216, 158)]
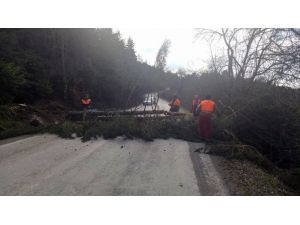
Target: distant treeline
[(64, 64)]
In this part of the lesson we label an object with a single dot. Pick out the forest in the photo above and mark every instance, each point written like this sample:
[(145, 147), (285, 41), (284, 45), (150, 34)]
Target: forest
[(254, 83), (64, 64)]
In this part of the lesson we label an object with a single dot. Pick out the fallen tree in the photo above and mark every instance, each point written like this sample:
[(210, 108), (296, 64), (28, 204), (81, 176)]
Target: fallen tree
[(98, 115)]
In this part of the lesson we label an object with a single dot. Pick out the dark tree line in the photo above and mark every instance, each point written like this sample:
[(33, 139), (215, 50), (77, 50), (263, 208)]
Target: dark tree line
[(63, 64)]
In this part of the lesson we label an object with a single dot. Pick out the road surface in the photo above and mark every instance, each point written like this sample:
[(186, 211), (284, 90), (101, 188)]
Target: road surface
[(161, 105), (49, 165)]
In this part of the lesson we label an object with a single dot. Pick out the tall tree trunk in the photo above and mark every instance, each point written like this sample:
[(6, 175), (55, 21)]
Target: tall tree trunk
[(63, 63)]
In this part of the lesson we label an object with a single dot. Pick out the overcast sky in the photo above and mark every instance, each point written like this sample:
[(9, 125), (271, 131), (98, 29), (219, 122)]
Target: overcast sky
[(185, 51)]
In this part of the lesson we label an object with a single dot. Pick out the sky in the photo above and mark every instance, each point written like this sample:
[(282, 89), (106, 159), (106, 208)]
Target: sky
[(186, 52)]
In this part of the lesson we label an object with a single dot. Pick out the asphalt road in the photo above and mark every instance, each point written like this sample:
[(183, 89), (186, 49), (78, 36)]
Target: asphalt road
[(49, 165), (162, 105)]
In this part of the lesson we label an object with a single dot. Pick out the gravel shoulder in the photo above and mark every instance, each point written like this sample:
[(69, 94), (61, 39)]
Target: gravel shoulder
[(242, 177)]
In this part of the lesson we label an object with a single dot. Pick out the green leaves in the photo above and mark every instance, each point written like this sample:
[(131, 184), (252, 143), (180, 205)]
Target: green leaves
[(11, 78)]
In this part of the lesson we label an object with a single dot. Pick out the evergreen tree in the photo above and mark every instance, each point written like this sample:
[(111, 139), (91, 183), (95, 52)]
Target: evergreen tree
[(11, 77), (161, 57), (130, 48), (63, 64)]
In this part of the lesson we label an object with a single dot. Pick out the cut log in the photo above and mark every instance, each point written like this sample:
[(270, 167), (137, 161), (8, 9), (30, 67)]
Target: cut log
[(98, 113), (78, 115)]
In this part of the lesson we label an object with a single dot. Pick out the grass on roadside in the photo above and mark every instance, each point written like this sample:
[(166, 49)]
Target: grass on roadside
[(10, 129), (248, 153)]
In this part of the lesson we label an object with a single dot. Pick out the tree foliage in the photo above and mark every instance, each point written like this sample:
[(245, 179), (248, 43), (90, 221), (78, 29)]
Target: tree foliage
[(161, 57), (63, 64), (258, 53), (258, 113), (11, 78)]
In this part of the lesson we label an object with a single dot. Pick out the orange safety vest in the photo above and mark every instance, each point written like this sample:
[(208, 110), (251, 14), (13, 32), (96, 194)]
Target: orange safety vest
[(175, 103), (86, 101), (207, 106)]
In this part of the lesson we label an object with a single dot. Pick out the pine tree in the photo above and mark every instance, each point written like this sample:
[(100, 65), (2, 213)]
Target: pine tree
[(130, 48), (161, 57)]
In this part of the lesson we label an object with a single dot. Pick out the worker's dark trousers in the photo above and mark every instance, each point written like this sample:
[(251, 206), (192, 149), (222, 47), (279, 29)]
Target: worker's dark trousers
[(174, 109), (85, 107), (204, 125)]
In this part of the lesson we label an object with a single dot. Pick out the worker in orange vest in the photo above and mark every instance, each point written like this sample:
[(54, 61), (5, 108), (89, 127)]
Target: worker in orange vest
[(175, 104), (86, 102), (195, 102), (206, 108)]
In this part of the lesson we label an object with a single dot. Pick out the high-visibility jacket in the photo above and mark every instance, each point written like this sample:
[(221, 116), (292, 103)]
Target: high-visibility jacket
[(86, 101), (195, 104), (175, 103), (207, 106)]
